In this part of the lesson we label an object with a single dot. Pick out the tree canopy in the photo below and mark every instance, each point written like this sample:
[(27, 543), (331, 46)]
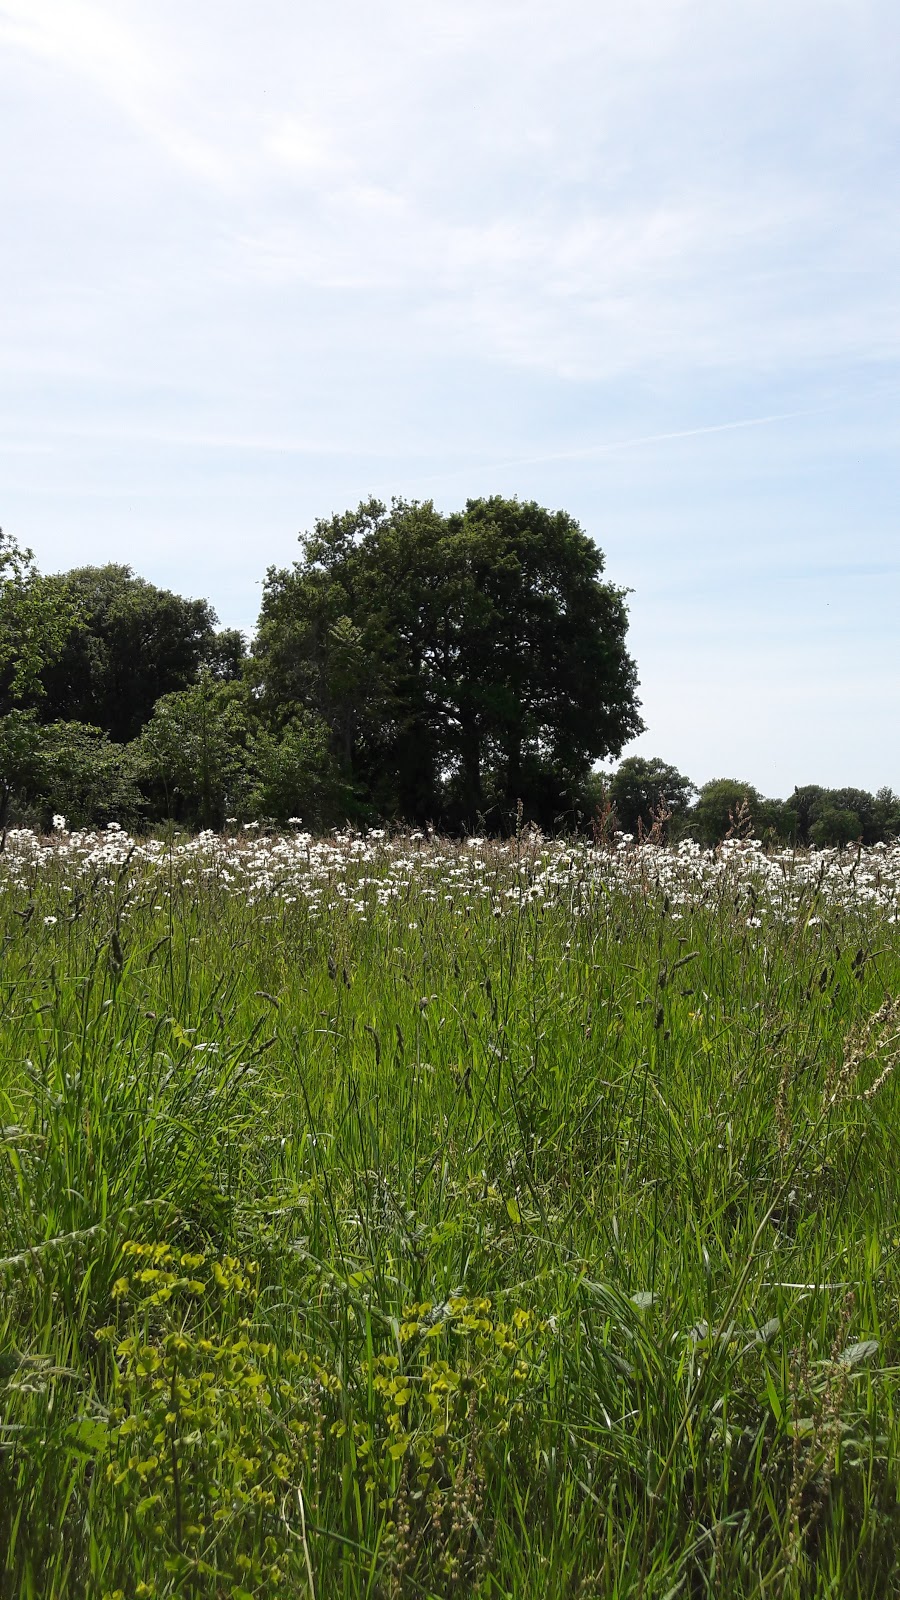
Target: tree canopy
[(128, 644), (643, 789), (462, 663), (35, 619)]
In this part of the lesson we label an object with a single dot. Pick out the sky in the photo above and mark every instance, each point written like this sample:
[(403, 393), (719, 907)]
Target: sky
[(642, 262)]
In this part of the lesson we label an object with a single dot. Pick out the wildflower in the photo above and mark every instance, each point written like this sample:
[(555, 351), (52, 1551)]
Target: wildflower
[(49, 922), (59, 823)]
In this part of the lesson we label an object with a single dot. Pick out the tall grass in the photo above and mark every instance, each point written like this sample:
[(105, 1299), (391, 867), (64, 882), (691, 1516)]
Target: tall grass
[(491, 1244)]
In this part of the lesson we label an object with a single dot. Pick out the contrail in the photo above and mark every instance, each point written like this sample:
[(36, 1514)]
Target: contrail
[(658, 438), (587, 452)]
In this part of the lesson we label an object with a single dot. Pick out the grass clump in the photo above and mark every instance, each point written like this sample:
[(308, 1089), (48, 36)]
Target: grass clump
[(390, 1218)]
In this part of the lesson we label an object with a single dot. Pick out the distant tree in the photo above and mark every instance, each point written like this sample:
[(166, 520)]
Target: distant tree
[(727, 806), (20, 743), (719, 808), (824, 815), (206, 754), (776, 820), (641, 785), (79, 772), (225, 654), (834, 825), (130, 644), (35, 620), (291, 773), (887, 812), (866, 808), (807, 802), (191, 753), (460, 663)]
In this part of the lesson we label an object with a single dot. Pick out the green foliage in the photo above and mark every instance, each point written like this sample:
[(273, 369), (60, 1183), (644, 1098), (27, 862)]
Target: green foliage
[(34, 622), (20, 744), (65, 768), (643, 788), (723, 805), (842, 816), (835, 826), (726, 808), (191, 1456), (224, 655), (206, 755), (887, 813), (460, 663), (80, 773), (192, 753), (291, 773), (213, 1428), (131, 644), (463, 671)]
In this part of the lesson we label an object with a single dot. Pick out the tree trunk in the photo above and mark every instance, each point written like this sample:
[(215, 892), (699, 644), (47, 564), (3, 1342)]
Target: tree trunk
[(473, 797)]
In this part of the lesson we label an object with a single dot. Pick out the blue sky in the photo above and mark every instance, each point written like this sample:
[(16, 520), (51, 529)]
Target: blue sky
[(641, 261)]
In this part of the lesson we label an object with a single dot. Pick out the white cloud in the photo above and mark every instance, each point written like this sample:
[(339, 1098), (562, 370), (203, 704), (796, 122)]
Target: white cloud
[(140, 72), (303, 147), (462, 245)]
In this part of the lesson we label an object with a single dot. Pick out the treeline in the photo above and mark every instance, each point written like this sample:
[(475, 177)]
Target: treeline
[(649, 797), (410, 666), (462, 671), (126, 702)]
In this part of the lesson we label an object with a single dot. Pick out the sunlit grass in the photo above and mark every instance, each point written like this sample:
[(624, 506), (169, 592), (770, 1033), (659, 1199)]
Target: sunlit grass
[(489, 1226)]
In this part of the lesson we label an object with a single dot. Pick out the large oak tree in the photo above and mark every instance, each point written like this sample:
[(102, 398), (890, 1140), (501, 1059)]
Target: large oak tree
[(461, 662)]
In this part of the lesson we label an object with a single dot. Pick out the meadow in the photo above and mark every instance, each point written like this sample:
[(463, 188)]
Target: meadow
[(384, 1216)]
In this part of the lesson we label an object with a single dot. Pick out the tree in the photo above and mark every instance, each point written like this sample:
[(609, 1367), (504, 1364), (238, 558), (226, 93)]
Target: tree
[(224, 655), (35, 620), (79, 772), (192, 751), (641, 785), (131, 644), (460, 663), (887, 812), (720, 806), (20, 742), (835, 825), (291, 773), (807, 802), (206, 754), (838, 816), (727, 806)]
